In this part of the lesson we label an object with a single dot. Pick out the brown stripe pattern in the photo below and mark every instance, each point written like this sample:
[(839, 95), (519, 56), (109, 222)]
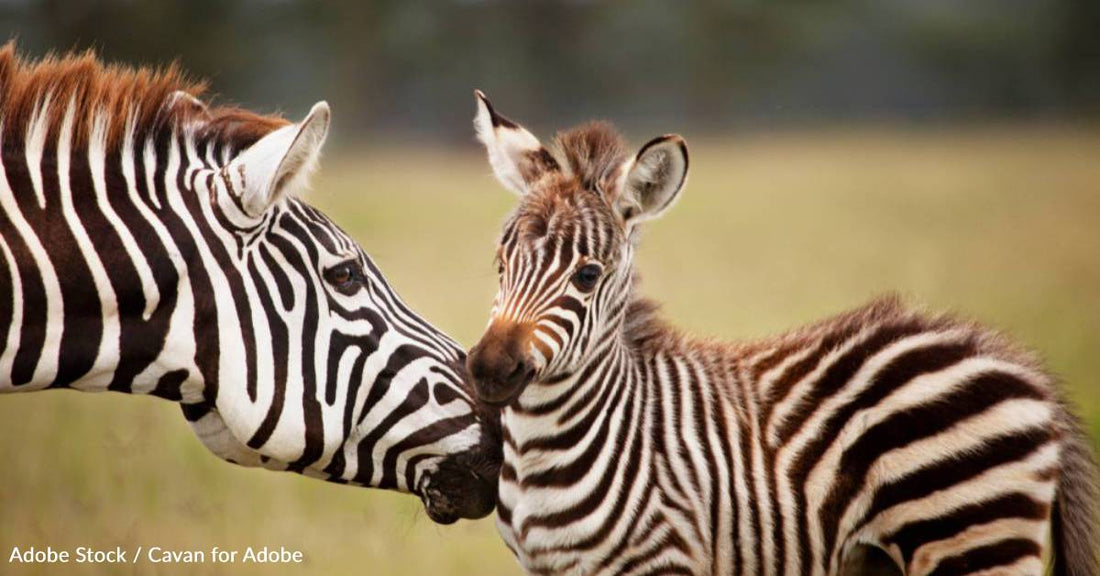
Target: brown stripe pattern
[(634, 448)]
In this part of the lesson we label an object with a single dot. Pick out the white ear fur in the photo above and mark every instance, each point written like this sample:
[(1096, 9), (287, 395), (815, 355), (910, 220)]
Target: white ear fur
[(512, 149), (652, 182), (280, 162)]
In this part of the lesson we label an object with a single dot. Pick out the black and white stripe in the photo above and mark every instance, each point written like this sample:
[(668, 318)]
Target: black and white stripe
[(177, 263), (631, 448)]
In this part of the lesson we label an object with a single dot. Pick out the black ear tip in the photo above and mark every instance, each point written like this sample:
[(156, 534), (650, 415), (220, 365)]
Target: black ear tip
[(679, 141), (674, 139), (683, 147), (481, 97), (497, 120)]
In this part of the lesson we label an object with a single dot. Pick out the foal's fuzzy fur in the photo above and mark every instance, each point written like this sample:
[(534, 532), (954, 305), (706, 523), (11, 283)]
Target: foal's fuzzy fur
[(634, 448)]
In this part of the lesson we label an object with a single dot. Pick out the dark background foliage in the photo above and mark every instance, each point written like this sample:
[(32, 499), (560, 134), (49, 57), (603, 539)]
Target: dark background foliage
[(406, 67)]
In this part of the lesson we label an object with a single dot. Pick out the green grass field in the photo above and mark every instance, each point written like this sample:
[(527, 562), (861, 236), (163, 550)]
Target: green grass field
[(1000, 224)]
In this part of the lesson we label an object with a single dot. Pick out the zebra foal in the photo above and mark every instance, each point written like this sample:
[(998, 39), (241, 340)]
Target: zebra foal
[(920, 444)]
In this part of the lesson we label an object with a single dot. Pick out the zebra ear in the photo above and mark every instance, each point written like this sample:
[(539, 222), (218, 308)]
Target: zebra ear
[(280, 162), (517, 157), (652, 181)]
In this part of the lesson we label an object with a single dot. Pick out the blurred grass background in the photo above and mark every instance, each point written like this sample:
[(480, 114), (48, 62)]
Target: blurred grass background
[(999, 223)]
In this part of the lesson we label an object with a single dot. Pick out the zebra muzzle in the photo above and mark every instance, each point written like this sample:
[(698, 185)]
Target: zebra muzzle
[(499, 367), (460, 489)]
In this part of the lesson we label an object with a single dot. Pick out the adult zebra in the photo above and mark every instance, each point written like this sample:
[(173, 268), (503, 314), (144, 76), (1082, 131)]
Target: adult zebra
[(882, 439), (150, 244)]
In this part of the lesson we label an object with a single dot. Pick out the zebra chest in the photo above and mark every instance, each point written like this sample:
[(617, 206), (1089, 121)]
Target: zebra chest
[(566, 529), (537, 545), (538, 524)]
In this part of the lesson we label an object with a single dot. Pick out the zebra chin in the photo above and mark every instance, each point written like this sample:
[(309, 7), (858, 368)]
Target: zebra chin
[(463, 486)]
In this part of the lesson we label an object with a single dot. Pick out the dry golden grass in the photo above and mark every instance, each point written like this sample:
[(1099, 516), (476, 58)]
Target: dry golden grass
[(1000, 224)]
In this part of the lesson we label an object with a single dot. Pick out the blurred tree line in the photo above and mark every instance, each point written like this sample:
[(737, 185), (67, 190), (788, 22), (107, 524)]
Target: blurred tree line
[(406, 68)]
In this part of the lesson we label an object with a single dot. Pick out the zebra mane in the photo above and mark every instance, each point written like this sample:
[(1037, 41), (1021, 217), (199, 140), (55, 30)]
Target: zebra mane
[(644, 326), (144, 102), (646, 329), (591, 152)]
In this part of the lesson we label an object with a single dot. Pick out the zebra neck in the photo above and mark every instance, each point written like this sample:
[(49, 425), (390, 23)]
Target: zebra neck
[(545, 409), (94, 244)]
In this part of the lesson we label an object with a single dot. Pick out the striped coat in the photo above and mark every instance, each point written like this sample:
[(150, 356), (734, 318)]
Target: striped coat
[(884, 440), (150, 244)]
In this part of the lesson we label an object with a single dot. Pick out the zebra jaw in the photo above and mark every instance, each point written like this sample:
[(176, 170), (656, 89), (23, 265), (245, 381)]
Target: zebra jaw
[(475, 478)]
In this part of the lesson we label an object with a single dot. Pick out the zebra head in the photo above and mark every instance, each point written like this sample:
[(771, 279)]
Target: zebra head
[(376, 385), (566, 253), (150, 244)]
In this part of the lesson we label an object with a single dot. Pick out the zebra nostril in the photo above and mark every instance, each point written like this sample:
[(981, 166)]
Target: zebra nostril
[(482, 364), (518, 372), (522, 373)]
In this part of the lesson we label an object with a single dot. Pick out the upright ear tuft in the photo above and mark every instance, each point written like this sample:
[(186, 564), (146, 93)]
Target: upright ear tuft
[(517, 157), (653, 179), (280, 162)]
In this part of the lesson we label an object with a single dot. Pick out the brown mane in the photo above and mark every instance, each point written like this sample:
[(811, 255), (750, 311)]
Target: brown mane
[(126, 97), (590, 152)]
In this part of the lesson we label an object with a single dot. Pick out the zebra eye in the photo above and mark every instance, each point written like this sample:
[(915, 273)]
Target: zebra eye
[(343, 275), (586, 277)]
